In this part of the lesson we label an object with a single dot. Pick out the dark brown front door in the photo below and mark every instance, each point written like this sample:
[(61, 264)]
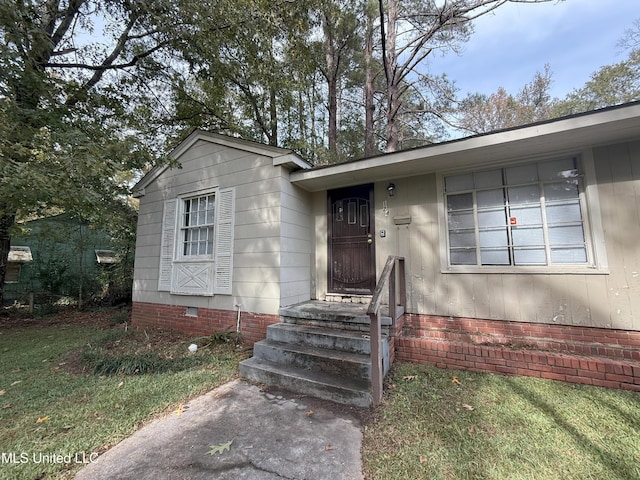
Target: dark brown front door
[(352, 256)]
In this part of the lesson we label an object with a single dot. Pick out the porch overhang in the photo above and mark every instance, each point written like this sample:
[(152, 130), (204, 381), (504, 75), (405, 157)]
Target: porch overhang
[(560, 136)]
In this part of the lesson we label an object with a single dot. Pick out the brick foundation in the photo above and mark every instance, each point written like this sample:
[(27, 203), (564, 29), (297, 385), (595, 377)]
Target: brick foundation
[(587, 355), (593, 356), (253, 326)]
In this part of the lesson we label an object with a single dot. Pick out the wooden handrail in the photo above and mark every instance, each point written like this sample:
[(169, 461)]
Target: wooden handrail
[(387, 279)]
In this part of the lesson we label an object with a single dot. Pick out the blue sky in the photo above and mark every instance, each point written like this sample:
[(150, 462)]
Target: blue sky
[(575, 37)]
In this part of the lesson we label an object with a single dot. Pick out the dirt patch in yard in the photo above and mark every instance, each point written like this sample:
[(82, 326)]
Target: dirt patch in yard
[(100, 318)]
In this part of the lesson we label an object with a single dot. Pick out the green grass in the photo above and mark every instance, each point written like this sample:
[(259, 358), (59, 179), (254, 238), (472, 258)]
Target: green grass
[(495, 427), (102, 400)]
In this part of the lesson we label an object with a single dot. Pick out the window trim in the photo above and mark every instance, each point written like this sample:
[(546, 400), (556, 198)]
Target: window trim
[(589, 203)]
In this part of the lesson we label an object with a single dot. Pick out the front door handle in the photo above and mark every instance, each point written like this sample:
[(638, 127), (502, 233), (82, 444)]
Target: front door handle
[(369, 239)]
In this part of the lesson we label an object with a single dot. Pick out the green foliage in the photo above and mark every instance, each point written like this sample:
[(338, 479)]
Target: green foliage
[(138, 364), (224, 337), (610, 85), (482, 113)]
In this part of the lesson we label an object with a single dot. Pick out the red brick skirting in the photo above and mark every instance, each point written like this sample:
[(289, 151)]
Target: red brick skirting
[(253, 326), (593, 356)]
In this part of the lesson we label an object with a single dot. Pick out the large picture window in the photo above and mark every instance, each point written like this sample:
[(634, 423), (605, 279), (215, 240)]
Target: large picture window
[(524, 215)]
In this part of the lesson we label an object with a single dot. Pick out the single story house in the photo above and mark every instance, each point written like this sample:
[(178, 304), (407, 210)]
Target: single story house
[(521, 247)]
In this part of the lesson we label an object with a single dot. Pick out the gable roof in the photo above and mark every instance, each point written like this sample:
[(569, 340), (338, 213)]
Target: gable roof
[(562, 135), (280, 156)]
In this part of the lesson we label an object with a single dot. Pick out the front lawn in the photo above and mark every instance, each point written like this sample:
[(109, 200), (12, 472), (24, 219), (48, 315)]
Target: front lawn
[(447, 424), (72, 389)]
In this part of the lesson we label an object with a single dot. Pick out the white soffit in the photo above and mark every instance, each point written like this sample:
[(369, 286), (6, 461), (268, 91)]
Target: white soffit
[(564, 135)]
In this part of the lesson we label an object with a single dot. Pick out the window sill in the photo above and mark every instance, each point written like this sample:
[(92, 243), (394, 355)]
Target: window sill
[(557, 270)]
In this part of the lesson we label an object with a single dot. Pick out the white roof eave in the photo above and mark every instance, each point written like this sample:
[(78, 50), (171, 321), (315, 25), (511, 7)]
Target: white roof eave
[(565, 135)]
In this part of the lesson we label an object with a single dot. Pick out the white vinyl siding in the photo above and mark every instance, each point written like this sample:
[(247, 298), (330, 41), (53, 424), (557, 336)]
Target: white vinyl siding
[(525, 215), (197, 244)]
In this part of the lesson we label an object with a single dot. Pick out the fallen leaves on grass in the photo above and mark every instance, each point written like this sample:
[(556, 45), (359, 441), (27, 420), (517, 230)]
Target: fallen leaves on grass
[(43, 419), (180, 410), (456, 381), (410, 377), (2, 392), (468, 407), (219, 448)]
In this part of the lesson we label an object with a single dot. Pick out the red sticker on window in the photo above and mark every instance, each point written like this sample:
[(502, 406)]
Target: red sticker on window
[(513, 221)]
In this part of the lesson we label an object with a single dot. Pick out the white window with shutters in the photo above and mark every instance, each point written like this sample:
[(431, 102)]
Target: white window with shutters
[(197, 244), (527, 217)]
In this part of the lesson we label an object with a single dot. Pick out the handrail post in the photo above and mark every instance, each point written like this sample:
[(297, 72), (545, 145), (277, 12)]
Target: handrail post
[(392, 293), (387, 280), (376, 357), (403, 283)]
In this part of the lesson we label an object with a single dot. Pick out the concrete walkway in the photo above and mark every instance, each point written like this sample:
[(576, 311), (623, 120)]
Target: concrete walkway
[(271, 437)]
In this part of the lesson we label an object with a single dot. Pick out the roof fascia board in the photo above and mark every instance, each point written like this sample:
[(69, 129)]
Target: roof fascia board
[(430, 153)]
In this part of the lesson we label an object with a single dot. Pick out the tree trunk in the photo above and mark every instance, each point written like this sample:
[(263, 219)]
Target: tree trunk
[(273, 114), (332, 85), (392, 74), (369, 90), (6, 222)]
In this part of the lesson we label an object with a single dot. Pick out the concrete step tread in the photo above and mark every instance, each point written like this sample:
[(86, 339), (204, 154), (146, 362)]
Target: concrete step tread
[(309, 350), (301, 374), (330, 332)]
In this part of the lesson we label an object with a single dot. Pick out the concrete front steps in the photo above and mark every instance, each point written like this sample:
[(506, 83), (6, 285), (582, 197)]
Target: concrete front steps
[(320, 350)]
